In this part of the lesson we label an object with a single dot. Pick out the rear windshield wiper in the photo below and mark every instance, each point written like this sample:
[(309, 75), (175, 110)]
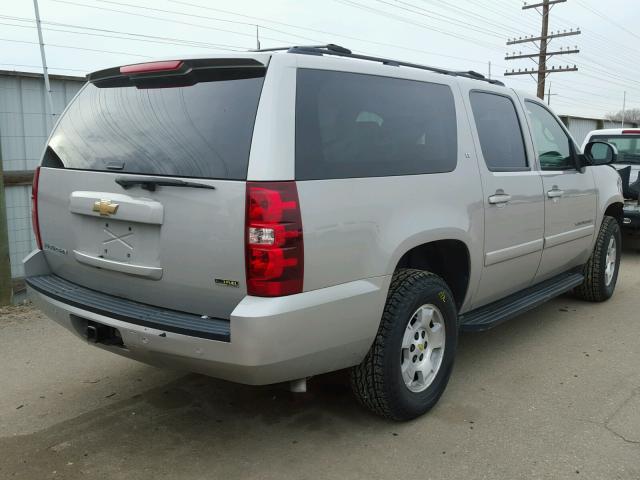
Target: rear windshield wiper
[(151, 184)]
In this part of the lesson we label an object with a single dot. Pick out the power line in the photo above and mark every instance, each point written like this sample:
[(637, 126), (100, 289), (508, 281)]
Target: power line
[(586, 35), (411, 8), (388, 15), (174, 21), (542, 71), (39, 67), (173, 12), (434, 16), (334, 34), (607, 55), (159, 41), (605, 17), (474, 15), (75, 48)]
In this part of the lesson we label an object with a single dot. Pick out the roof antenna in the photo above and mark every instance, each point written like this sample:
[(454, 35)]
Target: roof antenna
[(257, 37)]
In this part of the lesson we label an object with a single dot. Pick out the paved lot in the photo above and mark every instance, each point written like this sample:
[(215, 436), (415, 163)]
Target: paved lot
[(553, 394)]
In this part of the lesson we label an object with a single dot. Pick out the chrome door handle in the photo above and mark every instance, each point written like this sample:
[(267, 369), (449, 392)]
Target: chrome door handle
[(555, 193), (499, 198)]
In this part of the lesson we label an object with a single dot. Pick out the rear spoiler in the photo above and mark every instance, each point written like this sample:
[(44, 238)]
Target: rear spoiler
[(177, 73)]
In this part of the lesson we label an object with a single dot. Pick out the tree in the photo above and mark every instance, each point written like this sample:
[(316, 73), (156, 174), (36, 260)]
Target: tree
[(631, 115)]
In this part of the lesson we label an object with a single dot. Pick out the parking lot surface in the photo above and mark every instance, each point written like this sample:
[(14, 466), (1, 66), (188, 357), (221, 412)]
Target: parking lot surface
[(552, 394)]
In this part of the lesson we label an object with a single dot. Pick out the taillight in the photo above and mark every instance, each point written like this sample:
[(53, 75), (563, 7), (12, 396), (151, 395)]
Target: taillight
[(273, 239), (34, 208), (630, 132)]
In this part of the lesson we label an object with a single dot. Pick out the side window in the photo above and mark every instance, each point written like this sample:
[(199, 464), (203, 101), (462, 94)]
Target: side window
[(499, 132), (351, 125), (550, 140)]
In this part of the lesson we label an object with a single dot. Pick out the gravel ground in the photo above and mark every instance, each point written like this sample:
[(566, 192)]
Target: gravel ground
[(553, 394)]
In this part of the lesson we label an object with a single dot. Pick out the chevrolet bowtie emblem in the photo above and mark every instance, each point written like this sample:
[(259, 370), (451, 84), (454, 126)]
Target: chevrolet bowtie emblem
[(105, 207)]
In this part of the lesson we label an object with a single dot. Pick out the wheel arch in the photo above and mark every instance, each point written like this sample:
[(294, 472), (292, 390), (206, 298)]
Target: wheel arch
[(448, 258), (615, 210)]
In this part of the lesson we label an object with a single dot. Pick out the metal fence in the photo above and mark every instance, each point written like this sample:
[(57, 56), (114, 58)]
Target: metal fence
[(25, 123)]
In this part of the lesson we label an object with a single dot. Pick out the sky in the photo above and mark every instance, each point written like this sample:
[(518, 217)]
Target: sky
[(87, 35)]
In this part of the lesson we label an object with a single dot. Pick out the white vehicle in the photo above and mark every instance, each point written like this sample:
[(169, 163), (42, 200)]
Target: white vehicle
[(627, 142)]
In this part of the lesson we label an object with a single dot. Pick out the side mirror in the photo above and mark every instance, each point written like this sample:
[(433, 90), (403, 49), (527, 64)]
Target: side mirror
[(600, 153)]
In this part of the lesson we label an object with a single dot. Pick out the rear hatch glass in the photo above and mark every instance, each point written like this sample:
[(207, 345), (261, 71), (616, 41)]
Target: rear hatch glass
[(202, 130)]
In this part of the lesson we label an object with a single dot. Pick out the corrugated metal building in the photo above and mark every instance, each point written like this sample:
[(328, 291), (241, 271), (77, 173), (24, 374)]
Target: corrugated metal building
[(25, 123), (581, 126)]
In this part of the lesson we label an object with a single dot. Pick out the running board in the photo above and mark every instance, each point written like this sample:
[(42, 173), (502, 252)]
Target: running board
[(495, 313)]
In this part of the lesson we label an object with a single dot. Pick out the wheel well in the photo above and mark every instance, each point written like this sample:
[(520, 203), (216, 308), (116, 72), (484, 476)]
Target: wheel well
[(448, 259), (615, 210)]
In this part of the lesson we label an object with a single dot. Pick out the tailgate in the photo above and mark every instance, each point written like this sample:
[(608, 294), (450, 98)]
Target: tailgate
[(169, 248)]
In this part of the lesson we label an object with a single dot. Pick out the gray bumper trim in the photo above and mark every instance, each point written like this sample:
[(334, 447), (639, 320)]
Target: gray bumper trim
[(128, 311)]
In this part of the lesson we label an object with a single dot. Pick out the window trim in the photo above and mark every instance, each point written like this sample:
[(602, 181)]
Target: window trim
[(526, 168), (572, 146)]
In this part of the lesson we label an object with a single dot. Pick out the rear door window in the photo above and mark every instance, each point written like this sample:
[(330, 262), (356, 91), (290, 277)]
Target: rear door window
[(499, 132), (352, 125), (203, 130)]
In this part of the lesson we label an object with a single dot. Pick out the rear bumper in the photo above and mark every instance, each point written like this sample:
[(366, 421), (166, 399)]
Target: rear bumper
[(269, 340)]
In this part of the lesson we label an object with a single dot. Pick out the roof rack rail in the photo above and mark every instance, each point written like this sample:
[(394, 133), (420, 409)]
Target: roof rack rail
[(337, 50), (330, 46)]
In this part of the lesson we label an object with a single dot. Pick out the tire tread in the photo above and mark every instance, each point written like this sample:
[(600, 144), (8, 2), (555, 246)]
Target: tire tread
[(592, 289), (367, 378)]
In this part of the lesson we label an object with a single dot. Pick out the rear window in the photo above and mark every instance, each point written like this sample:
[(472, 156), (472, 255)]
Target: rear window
[(352, 125), (203, 130), (628, 146)]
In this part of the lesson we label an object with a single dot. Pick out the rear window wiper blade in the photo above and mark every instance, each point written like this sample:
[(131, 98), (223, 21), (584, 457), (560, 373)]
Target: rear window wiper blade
[(152, 183)]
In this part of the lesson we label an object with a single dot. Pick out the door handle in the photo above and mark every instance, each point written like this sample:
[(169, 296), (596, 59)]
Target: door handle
[(555, 193), (499, 199)]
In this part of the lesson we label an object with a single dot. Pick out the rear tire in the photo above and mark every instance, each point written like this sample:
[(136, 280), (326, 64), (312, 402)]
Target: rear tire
[(409, 364), (601, 271)]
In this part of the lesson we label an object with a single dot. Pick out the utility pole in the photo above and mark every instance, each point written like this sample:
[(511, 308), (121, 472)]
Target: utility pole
[(542, 43), (624, 107), (549, 95), (45, 70), (542, 59), (6, 285)]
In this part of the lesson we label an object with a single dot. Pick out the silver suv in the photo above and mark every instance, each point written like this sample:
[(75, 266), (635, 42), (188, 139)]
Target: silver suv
[(270, 216)]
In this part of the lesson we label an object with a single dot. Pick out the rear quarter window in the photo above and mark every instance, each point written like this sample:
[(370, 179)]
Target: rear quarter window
[(352, 125)]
